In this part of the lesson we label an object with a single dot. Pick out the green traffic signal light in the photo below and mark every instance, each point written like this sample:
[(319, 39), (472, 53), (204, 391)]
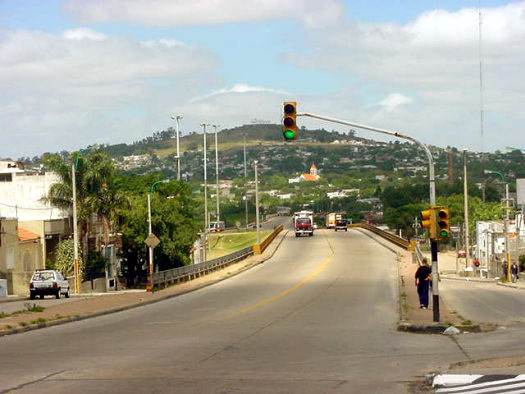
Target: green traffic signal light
[(443, 222), (289, 120)]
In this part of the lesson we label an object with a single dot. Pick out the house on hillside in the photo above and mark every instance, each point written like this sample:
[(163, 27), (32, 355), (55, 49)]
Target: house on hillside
[(313, 176)]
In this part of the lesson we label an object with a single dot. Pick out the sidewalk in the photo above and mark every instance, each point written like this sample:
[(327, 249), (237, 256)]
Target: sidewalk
[(92, 305)]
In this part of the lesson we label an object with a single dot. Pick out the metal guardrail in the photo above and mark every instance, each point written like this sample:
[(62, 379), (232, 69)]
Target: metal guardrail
[(188, 272), (418, 254), (404, 243), (175, 275)]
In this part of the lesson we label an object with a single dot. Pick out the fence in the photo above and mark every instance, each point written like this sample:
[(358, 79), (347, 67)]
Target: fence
[(385, 234), (175, 275)]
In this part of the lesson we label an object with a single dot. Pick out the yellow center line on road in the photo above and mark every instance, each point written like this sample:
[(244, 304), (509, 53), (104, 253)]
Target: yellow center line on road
[(288, 291)]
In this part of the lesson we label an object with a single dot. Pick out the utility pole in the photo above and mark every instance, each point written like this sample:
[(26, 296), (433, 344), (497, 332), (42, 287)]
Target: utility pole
[(206, 225), (257, 204), (177, 118), (75, 228), (245, 179), (465, 207), (217, 171)]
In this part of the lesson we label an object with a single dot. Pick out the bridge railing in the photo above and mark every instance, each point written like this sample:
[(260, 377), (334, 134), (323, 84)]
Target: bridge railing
[(402, 242), (187, 272)]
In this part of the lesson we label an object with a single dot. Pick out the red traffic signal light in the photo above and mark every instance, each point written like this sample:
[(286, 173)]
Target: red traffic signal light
[(289, 120)]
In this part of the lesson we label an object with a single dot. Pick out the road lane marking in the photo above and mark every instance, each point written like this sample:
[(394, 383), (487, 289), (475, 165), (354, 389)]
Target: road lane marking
[(288, 291)]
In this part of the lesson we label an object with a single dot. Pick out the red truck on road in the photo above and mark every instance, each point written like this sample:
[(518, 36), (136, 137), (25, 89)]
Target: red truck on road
[(303, 223)]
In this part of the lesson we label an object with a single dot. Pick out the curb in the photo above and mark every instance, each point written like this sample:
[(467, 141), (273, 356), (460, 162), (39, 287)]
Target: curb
[(437, 328), (52, 323), (441, 276), (511, 285)]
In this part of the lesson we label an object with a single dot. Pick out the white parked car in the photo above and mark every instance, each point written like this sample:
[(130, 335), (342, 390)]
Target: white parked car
[(48, 282)]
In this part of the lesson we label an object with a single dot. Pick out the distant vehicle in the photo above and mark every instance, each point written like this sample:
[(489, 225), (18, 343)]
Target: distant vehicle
[(303, 223), (216, 227), (462, 253), (48, 282), (340, 224), (331, 218)]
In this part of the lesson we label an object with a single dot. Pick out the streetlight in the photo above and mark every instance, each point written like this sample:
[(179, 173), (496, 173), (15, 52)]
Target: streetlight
[(465, 208), (177, 118), (506, 220), (257, 204), (432, 187), (150, 234), (205, 184), (245, 176), (217, 171)]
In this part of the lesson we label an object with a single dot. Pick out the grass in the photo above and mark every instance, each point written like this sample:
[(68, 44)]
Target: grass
[(225, 243), (39, 320), (2, 315), (34, 308), (22, 323)]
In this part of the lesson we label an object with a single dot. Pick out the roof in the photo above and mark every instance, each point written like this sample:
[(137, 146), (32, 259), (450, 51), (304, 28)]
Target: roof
[(24, 235), (309, 177), (313, 166)]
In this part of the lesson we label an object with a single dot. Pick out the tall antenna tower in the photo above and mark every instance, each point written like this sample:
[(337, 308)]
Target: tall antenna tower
[(480, 18)]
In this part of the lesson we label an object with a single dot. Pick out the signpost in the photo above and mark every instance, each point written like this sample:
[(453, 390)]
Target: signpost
[(152, 241)]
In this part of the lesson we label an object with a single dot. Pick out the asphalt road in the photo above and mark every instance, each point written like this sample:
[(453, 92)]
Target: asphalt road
[(485, 302), (320, 316)]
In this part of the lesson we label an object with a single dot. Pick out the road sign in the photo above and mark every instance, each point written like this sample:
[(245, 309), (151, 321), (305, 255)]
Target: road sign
[(151, 240)]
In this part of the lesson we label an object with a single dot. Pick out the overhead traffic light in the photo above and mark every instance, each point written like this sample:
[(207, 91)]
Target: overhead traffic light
[(443, 218), (289, 120), (428, 220)]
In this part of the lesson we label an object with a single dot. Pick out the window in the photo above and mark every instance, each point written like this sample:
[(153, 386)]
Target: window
[(6, 177)]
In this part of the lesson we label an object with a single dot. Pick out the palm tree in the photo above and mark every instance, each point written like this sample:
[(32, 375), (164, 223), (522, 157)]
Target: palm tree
[(93, 177)]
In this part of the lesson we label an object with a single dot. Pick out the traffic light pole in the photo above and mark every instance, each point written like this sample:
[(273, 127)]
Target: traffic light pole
[(432, 186)]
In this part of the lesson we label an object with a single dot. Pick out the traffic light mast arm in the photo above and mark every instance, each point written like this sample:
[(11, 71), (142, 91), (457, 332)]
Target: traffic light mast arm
[(431, 176)]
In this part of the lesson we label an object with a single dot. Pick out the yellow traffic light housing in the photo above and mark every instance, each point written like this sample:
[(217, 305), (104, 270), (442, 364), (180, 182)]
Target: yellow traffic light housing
[(443, 224), (428, 220), (289, 120), (437, 220)]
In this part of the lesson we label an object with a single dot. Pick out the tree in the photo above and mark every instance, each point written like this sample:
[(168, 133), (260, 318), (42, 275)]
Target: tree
[(95, 193), (175, 222)]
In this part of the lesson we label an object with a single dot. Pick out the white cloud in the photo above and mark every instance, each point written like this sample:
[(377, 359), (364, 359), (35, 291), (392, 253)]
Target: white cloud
[(238, 88), (203, 12), (60, 91), (83, 34), (394, 100)]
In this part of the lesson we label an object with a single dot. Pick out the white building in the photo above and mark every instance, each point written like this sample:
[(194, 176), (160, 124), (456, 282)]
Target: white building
[(21, 194)]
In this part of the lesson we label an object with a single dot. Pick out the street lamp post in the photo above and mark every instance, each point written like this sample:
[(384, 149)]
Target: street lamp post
[(75, 229), (217, 171), (465, 208), (245, 176), (257, 204), (150, 233), (505, 221), (177, 118), (205, 186)]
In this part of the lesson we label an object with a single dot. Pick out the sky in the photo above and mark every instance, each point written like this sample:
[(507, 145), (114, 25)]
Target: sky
[(75, 73)]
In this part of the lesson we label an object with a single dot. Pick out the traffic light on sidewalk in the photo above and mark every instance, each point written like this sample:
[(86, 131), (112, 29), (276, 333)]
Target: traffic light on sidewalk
[(428, 220), (443, 218), (289, 120)]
